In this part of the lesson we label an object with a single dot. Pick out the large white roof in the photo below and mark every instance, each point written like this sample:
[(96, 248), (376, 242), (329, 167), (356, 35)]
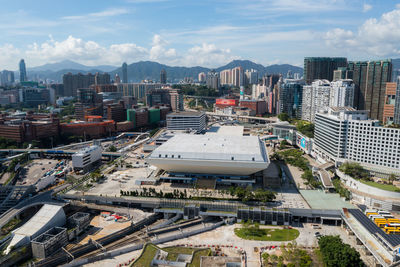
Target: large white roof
[(41, 218), (226, 130), (212, 147)]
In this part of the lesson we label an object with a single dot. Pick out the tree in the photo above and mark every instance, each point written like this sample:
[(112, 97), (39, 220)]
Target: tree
[(283, 144), (336, 253), (283, 117), (392, 178), (112, 148), (354, 170), (265, 257)]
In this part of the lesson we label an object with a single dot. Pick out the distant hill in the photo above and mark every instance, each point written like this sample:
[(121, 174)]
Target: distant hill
[(69, 64), (151, 70), (147, 70)]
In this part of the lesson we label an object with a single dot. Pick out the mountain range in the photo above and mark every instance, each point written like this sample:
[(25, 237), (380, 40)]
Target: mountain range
[(151, 70), (148, 70)]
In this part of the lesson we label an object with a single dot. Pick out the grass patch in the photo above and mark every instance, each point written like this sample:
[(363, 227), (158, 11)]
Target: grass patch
[(173, 252), (387, 187), (149, 251), (197, 255), (267, 234), (147, 255)]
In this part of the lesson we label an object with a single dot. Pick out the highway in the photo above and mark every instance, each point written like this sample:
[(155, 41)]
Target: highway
[(54, 151), (40, 199), (269, 120)]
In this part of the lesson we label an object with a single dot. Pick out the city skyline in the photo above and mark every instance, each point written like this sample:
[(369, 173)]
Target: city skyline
[(189, 33)]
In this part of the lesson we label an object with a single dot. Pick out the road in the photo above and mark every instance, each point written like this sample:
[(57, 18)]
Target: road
[(54, 151), (42, 198)]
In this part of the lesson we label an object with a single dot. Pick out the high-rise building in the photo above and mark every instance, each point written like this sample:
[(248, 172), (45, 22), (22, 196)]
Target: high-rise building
[(342, 73), (137, 90), (22, 71), (6, 77), (270, 80), (390, 100), (291, 98), (342, 93), (72, 82), (237, 76), (316, 97), (321, 67), (101, 78), (213, 80), (117, 78), (89, 103), (396, 117), (124, 73), (258, 91), (163, 76), (225, 77), (370, 78), (202, 77), (251, 77), (345, 134)]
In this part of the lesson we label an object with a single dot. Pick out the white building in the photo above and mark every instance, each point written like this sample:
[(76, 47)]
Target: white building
[(315, 98), (258, 91), (47, 217), (251, 76), (186, 121), (345, 134), (342, 93), (202, 77), (86, 158), (211, 154)]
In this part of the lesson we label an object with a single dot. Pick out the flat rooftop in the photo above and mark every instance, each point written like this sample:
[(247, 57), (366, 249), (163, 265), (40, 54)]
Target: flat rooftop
[(226, 130), (212, 147), (185, 113), (318, 199)]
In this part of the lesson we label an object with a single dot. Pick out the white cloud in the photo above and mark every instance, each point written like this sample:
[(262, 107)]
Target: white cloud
[(9, 55), (366, 7), (207, 55), (375, 37), (92, 53), (158, 50), (85, 52), (102, 14)]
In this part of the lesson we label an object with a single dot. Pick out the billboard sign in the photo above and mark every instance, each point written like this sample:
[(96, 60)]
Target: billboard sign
[(226, 102)]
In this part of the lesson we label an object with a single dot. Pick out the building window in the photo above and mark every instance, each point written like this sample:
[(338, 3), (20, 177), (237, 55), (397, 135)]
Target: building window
[(172, 156), (232, 158), (159, 155), (179, 156), (166, 155), (253, 159)]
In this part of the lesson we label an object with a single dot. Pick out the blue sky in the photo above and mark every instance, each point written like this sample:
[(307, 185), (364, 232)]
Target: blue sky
[(196, 32)]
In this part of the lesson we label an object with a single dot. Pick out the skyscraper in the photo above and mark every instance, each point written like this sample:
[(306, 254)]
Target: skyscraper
[(370, 78), (396, 118), (342, 73), (390, 102), (321, 67), (124, 73), (163, 76), (316, 97), (213, 80), (237, 76), (291, 98), (202, 77), (342, 93), (22, 71)]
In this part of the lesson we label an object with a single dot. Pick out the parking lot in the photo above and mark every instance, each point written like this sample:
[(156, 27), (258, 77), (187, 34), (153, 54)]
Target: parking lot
[(35, 170)]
